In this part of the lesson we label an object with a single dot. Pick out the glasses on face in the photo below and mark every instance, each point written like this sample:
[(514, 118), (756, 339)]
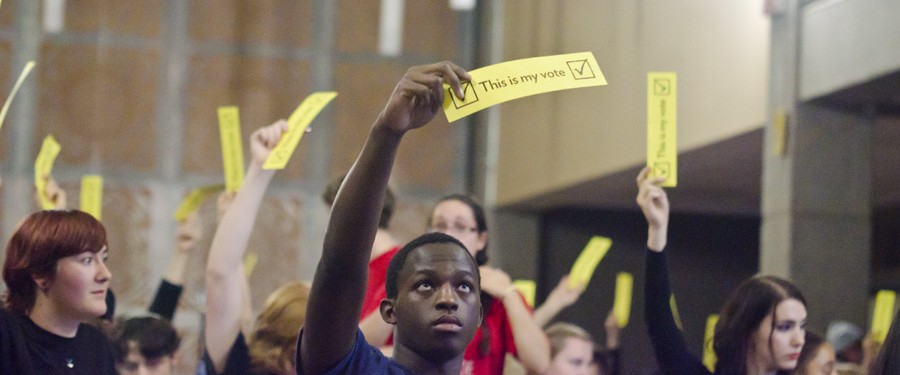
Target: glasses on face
[(458, 228)]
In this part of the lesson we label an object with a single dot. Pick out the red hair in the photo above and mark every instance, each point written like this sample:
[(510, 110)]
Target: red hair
[(42, 239)]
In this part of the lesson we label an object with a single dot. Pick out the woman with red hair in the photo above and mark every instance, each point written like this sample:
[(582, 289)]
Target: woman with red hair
[(56, 275)]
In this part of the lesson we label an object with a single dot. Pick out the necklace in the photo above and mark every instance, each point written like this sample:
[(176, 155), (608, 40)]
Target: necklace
[(70, 362)]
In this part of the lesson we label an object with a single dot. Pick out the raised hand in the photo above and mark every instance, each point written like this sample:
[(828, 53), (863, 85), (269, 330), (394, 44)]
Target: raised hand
[(418, 97), (264, 140), (189, 232), (495, 282), (563, 295), (655, 205)]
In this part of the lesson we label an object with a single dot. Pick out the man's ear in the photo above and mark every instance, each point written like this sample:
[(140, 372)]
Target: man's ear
[(480, 315), (387, 311)]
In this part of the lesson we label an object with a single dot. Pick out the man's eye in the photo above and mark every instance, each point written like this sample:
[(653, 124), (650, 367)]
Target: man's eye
[(465, 287), (424, 286)]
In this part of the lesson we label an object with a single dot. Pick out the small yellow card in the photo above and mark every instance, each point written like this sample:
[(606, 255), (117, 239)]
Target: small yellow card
[(43, 166), (28, 67), (297, 124), (194, 199), (92, 195), (675, 315), (528, 288), (779, 129), (883, 315), (250, 263), (622, 304), (584, 266), (662, 149), (232, 148), (516, 79), (709, 355)]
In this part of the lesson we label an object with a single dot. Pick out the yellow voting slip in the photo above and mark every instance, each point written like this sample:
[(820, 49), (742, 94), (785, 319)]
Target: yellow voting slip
[(250, 263), (92, 195), (528, 288), (232, 149), (12, 94), (297, 124), (709, 355), (43, 166), (194, 199), (675, 315), (622, 304), (662, 150), (584, 266), (516, 79), (883, 314)]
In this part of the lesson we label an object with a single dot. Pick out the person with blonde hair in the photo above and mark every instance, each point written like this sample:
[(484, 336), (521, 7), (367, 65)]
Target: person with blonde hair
[(232, 346)]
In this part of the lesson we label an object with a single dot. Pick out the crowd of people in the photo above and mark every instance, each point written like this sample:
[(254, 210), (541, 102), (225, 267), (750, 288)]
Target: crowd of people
[(433, 305)]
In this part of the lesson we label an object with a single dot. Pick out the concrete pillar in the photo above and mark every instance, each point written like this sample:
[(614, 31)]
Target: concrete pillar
[(816, 195)]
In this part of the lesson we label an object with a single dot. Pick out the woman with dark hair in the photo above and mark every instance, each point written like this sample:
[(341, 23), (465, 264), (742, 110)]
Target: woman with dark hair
[(761, 327), (508, 326), (56, 275), (888, 360), (817, 357)]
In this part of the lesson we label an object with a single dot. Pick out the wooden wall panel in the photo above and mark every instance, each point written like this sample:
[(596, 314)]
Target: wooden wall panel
[(131, 18), (286, 23)]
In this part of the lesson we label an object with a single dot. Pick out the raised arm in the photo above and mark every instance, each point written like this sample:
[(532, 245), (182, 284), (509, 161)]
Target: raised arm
[(560, 297), (224, 272), (55, 193), (339, 285), (532, 344), (668, 342), (166, 299)]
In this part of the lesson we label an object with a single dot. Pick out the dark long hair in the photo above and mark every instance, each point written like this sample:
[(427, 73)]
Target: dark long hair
[(742, 314)]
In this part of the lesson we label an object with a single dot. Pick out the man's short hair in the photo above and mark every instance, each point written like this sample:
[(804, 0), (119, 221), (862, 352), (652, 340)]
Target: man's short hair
[(399, 259), (153, 337)]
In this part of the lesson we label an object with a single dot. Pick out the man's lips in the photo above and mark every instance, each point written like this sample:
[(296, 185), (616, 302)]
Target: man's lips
[(447, 323)]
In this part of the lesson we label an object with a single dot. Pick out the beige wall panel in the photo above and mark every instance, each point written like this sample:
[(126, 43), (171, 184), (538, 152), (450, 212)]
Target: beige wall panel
[(7, 79), (719, 50), (127, 217), (430, 29), (286, 23), (276, 240), (410, 215), (132, 18), (264, 89), (357, 28), (7, 15), (362, 91), (99, 104)]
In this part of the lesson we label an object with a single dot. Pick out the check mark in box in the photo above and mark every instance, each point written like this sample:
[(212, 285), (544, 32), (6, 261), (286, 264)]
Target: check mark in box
[(470, 94), (581, 69), (662, 87)]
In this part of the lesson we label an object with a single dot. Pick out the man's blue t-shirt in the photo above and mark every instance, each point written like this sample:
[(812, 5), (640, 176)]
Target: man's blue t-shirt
[(362, 359)]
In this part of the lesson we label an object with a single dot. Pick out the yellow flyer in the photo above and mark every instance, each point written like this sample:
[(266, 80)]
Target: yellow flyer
[(528, 288), (43, 166), (883, 314), (709, 356), (516, 79), (297, 124), (194, 199), (622, 304), (28, 67), (584, 266), (232, 149), (92, 195), (662, 150)]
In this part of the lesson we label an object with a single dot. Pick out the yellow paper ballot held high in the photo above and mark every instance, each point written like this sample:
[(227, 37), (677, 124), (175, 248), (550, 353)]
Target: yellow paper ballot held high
[(232, 149), (528, 288), (883, 315), (709, 355), (622, 304), (92, 195), (662, 150), (194, 199), (584, 266), (43, 166), (675, 315), (28, 67), (297, 124), (516, 79)]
